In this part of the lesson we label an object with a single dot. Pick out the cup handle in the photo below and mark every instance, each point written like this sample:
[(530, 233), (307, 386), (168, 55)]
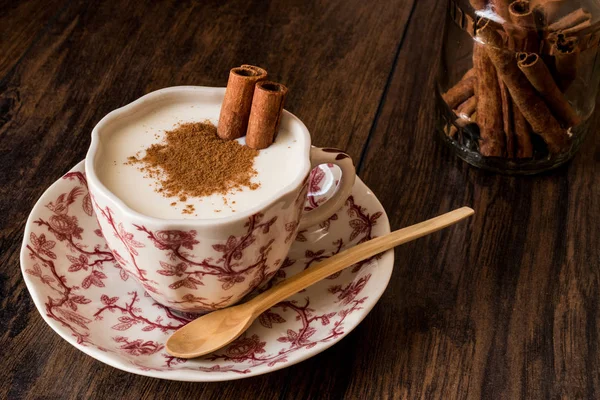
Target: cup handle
[(328, 155)]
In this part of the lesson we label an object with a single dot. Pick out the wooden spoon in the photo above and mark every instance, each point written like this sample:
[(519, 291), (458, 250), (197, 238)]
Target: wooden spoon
[(219, 328)]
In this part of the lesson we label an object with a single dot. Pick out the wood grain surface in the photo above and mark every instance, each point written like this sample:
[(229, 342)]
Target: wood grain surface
[(22, 23), (503, 307)]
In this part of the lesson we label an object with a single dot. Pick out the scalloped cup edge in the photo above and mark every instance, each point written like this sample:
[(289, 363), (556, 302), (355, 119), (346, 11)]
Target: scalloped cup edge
[(156, 96)]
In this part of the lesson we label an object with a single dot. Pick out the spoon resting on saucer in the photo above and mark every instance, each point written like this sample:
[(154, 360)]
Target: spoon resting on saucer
[(212, 331)]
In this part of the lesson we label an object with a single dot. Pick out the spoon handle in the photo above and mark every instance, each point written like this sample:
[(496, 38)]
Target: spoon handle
[(346, 258)]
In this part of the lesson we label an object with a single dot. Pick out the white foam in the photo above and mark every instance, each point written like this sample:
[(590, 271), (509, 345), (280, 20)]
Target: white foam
[(277, 165)]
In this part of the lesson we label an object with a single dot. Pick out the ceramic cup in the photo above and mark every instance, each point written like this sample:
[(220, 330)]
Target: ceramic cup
[(198, 265)]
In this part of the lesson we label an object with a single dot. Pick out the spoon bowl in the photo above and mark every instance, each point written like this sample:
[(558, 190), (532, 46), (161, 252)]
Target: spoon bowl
[(210, 332)]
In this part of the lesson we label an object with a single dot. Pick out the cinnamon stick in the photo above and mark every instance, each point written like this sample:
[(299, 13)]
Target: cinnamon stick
[(523, 93), (463, 122), (540, 77), (478, 4), (500, 7), (466, 109), (461, 91), (523, 32), (572, 22), (235, 110), (523, 145), (265, 116), (566, 56), (521, 13), (579, 28), (507, 119), (549, 11), (489, 114), (473, 117), (466, 114), (546, 11), (258, 70), (451, 131)]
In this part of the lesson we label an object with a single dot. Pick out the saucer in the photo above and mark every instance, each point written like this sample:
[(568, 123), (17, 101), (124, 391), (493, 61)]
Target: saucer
[(83, 294)]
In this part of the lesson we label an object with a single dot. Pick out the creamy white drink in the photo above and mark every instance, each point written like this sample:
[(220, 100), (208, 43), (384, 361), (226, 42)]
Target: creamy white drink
[(276, 166)]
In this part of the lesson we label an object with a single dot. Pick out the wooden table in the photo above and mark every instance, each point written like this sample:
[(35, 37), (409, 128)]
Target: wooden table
[(504, 306)]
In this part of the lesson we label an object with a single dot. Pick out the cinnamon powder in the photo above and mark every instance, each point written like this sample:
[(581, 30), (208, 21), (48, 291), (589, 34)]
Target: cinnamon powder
[(193, 161)]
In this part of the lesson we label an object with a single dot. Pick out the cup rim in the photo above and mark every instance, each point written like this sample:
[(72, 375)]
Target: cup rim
[(95, 183)]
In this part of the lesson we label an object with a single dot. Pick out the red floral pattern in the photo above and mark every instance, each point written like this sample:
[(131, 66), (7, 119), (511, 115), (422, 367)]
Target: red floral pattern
[(130, 245), (251, 349), (173, 240), (228, 268), (173, 272), (349, 292), (138, 347), (79, 285), (315, 195)]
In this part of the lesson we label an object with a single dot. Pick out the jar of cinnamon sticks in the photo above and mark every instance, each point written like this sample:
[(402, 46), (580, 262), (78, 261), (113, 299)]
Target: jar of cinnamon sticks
[(518, 81)]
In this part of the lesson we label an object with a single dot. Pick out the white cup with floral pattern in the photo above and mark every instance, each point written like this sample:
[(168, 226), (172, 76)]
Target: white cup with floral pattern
[(199, 265)]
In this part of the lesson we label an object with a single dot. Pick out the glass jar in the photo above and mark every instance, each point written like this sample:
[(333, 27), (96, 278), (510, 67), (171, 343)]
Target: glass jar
[(518, 81)]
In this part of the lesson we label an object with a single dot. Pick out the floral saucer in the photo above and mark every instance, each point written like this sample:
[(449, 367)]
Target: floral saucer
[(83, 294)]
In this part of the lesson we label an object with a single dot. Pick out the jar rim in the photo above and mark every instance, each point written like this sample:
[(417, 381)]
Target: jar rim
[(576, 30)]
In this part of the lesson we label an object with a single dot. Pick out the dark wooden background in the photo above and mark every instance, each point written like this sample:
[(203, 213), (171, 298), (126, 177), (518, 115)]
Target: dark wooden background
[(506, 306)]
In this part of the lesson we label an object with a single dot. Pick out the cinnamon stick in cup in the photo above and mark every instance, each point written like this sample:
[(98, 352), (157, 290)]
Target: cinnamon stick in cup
[(235, 111), (540, 77), (265, 116), (258, 70)]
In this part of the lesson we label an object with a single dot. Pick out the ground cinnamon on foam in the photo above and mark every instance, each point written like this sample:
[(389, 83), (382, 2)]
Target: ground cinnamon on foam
[(193, 161)]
